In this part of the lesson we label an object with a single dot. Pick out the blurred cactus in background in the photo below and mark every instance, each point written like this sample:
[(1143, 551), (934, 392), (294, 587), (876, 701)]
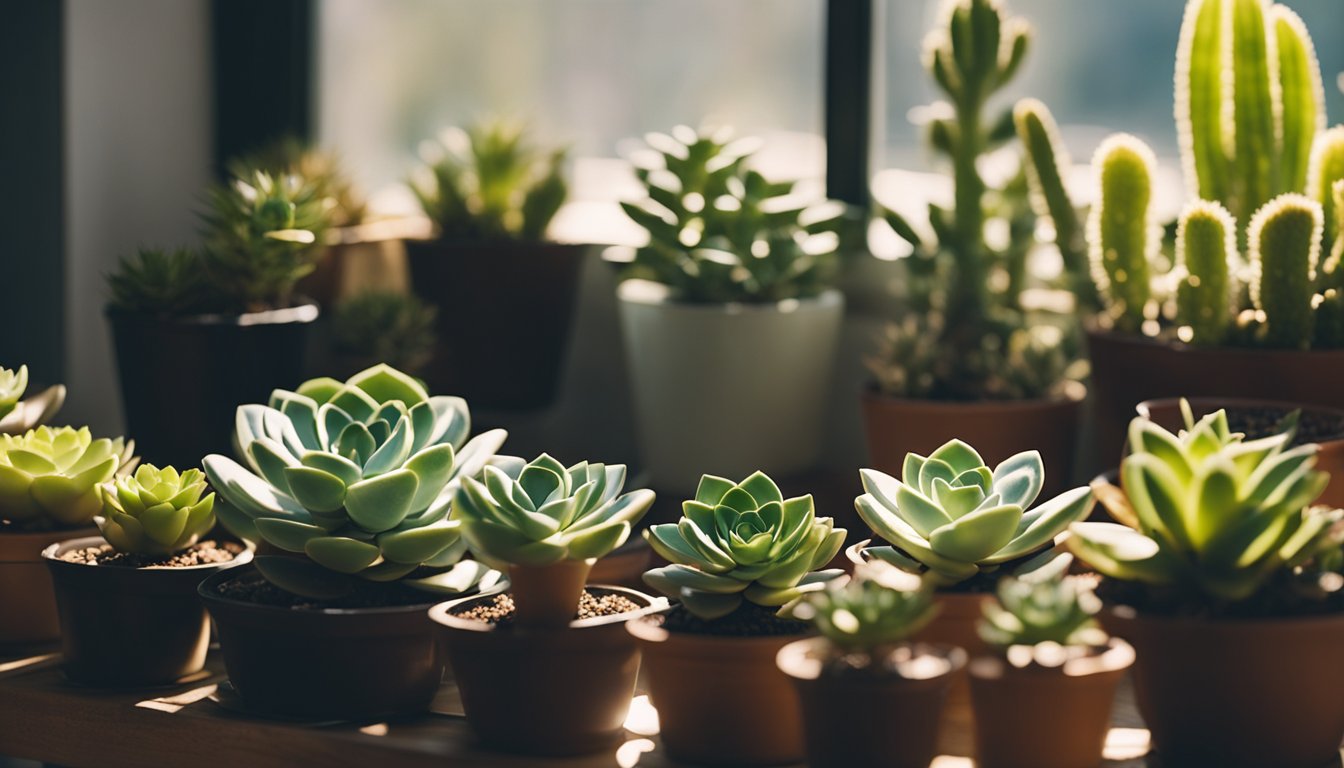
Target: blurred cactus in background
[(1206, 244), (1285, 238), (1121, 233)]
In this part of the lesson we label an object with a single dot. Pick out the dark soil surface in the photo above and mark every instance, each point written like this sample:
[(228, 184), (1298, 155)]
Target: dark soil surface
[(202, 553), (1314, 427), (250, 587), (750, 620), (499, 610)]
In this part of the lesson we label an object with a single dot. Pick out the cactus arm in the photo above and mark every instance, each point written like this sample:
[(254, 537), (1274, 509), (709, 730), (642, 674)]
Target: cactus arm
[(1120, 232), (1199, 102), (1327, 168), (1206, 243), (1285, 238), (1303, 97), (1256, 107)]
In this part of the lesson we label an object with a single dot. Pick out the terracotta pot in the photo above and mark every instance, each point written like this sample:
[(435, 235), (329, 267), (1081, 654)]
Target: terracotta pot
[(1126, 370), (505, 311), (548, 596), (325, 663), (625, 567), (721, 700), (1166, 413), (1238, 693), (363, 257), (857, 719), (549, 691), (216, 363), (1037, 717), (130, 626), (27, 599), (996, 429)]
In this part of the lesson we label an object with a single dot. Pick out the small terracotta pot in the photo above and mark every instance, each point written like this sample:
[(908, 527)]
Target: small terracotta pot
[(721, 700), (130, 626), (1037, 717), (996, 429), (546, 691), (1238, 693), (625, 567), (27, 599), (325, 663), (548, 596), (862, 719)]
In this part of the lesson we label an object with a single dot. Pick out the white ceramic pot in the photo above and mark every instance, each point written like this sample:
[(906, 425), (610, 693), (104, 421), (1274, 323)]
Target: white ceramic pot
[(727, 389)]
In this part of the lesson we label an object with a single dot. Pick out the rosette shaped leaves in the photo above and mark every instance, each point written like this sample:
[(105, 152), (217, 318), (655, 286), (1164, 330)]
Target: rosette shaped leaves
[(49, 477), (362, 483), (156, 512), (881, 606), (951, 515), (540, 513), (743, 541), (1209, 513), (12, 386), (1031, 612), (18, 415)]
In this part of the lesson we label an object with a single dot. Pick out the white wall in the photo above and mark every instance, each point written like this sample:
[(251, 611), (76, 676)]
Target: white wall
[(138, 144)]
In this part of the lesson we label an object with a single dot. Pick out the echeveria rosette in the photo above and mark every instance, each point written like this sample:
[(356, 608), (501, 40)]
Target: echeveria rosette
[(743, 541), (18, 415), (542, 512), (881, 606), (362, 484), (1035, 611), (951, 515), (156, 512), (12, 386), (1209, 513), (49, 477)]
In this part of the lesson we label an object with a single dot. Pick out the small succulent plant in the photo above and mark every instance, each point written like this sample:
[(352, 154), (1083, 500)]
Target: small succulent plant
[(49, 477), (385, 325), (952, 516), (488, 182), (13, 383), (156, 512), (1030, 612), (743, 541), (358, 476), (161, 282), (320, 168), (1208, 513), (881, 606)]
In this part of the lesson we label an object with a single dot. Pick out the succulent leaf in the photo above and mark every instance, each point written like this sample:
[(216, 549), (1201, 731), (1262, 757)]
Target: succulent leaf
[(1057, 610), (51, 478)]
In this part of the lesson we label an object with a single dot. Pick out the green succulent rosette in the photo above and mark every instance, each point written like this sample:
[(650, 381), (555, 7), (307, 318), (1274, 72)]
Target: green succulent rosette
[(1058, 610), (881, 606), (156, 512), (17, 414), (12, 386), (49, 477)]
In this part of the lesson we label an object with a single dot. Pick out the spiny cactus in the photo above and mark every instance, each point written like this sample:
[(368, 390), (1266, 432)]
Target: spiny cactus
[(1120, 230), (1285, 238), (1327, 170), (1206, 243)]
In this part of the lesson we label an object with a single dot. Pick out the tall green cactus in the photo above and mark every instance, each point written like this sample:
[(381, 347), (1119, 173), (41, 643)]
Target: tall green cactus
[(1246, 138), (1206, 243), (1285, 238), (1120, 231), (1327, 169)]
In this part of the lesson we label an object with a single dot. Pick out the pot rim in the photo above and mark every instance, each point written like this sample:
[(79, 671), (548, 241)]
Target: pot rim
[(1146, 407), (650, 629), (1094, 331), (1118, 656), (207, 593), (1071, 398), (305, 311), (498, 245), (53, 552), (1132, 614), (441, 613), (648, 293), (44, 538), (800, 659)]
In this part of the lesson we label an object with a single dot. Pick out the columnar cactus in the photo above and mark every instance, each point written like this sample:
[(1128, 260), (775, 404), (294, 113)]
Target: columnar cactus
[(1327, 171), (1206, 244), (49, 477), (1120, 230), (1285, 241), (156, 512)]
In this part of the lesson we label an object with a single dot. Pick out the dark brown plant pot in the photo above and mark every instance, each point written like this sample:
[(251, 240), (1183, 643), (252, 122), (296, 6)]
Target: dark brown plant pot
[(721, 701), (996, 429), (182, 379), (325, 663), (1037, 717), (130, 626), (866, 719), (1166, 413), (504, 316), (27, 599), (551, 691), (1127, 369), (1234, 694)]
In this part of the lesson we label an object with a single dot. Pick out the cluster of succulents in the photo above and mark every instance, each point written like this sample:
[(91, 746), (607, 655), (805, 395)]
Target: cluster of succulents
[(358, 476), (743, 542), (50, 477), (951, 516), (488, 182), (156, 512), (1061, 611), (389, 326), (882, 605), (1209, 514), (720, 231)]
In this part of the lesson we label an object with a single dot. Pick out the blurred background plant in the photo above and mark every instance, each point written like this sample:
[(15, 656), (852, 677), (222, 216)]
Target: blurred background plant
[(160, 282), (322, 168), (385, 326)]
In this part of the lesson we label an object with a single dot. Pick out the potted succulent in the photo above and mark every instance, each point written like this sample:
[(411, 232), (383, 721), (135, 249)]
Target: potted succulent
[(869, 697), (740, 558), (1225, 578), (733, 288), (49, 480), (349, 486), (127, 601), (1044, 700), (19, 414), (1250, 286), (227, 313), (975, 354), (546, 668), (491, 195)]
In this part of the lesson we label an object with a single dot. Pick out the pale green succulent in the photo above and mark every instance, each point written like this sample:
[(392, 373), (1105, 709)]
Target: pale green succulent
[(952, 516), (881, 606), (541, 512), (12, 386), (359, 477), (1030, 612), (156, 511), (49, 477), (1208, 512), (743, 541)]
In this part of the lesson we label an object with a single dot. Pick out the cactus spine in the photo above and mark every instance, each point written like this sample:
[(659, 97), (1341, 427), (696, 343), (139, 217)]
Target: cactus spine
[(1285, 238), (1120, 233), (1206, 243)]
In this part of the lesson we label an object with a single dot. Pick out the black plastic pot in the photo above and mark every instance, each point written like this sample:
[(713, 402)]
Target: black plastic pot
[(325, 663), (504, 316), (182, 379), (130, 626)]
